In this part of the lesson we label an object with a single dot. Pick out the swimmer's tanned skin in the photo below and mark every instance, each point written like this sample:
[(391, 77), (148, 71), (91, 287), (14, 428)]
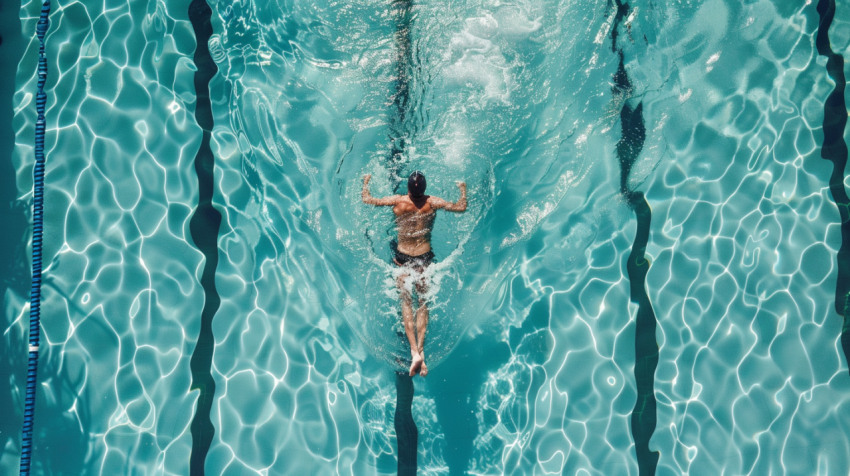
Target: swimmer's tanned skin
[(415, 213)]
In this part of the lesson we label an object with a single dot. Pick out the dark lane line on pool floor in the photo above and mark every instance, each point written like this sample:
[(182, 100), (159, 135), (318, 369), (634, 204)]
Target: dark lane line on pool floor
[(644, 417), (204, 227), (407, 435), (405, 428), (834, 149), (402, 13)]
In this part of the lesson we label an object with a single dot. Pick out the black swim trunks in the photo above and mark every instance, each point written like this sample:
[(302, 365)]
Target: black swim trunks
[(421, 260), (403, 259)]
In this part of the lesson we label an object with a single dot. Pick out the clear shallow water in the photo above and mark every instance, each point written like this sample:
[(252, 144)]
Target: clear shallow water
[(532, 334)]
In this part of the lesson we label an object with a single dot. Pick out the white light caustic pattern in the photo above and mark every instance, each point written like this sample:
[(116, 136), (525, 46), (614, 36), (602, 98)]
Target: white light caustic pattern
[(751, 376), (121, 293), (531, 339)]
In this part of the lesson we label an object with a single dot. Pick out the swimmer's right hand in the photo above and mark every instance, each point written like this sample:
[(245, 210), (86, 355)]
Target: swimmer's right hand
[(366, 178)]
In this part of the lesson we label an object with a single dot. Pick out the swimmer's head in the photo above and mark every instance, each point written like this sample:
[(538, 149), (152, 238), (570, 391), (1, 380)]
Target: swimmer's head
[(416, 184)]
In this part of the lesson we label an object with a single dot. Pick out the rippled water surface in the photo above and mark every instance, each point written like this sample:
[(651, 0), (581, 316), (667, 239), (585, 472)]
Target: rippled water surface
[(714, 109)]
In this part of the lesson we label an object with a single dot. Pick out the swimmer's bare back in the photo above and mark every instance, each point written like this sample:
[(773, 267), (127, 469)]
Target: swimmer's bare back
[(415, 216)]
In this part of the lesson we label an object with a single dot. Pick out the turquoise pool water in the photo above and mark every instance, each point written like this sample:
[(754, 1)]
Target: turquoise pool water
[(714, 108)]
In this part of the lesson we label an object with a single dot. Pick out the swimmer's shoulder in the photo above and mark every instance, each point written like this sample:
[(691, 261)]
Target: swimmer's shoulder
[(406, 206), (403, 205)]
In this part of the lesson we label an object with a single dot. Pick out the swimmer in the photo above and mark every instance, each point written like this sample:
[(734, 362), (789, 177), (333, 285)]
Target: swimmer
[(415, 213)]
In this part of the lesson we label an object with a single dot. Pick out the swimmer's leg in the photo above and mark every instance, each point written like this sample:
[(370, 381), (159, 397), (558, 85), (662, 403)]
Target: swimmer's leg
[(422, 324), (407, 318)]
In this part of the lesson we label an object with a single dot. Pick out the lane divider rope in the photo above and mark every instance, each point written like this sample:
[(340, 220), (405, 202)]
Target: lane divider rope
[(37, 230)]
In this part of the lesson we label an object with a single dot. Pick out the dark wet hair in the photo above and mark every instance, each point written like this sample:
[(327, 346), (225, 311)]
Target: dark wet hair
[(416, 184)]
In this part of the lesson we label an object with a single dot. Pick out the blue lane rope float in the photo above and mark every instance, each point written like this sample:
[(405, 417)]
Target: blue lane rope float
[(37, 229)]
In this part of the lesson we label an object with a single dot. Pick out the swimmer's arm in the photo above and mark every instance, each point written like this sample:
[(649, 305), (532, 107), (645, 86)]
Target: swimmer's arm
[(379, 202), (458, 206)]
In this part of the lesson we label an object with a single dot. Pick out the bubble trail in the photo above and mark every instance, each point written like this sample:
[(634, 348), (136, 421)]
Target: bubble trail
[(644, 416), (204, 227), (834, 149)]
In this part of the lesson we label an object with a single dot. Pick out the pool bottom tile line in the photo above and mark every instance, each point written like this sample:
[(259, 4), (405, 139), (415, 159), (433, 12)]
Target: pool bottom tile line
[(644, 415), (405, 427), (204, 227), (834, 149)]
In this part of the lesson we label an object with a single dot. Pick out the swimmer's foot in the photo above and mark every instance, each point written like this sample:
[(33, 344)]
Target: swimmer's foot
[(416, 365), (424, 369)]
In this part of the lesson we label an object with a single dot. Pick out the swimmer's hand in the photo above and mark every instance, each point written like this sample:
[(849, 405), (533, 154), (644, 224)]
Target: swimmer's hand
[(462, 187), (366, 179)]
